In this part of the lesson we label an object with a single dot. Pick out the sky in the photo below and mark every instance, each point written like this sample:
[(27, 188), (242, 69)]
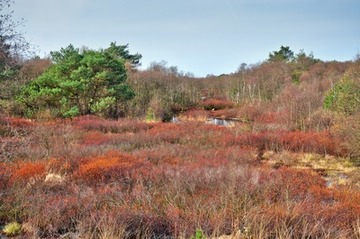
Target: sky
[(198, 36)]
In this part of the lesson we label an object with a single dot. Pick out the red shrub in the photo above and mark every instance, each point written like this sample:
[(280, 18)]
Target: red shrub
[(113, 165), (315, 142), (50, 214), (113, 126), (167, 132), (97, 138), (321, 194), (18, 122), (262, 141), (160, 155), (297, 141), (24, 171), (349, 198), (339, 214), (290, 184), (14, 127)]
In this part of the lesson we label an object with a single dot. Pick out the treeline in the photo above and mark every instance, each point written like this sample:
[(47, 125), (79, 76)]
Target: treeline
[(299, 93), (304, 79), (296, 89), (107, 83)]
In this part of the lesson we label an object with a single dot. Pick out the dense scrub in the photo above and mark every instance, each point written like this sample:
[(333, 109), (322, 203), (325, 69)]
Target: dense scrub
[(99, 178), (285, 166)]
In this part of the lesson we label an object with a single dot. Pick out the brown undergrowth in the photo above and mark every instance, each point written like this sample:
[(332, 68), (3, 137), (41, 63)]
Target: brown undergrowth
[(92, 178)]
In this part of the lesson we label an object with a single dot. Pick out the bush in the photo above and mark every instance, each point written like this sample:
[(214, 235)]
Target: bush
[(97, 138), (25, 171), (91, 122), (107, 168), (297, 141), (175, 178)]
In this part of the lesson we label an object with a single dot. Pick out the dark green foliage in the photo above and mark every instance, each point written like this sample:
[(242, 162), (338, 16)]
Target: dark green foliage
[(82, 82), (123, 51), (284, 54)]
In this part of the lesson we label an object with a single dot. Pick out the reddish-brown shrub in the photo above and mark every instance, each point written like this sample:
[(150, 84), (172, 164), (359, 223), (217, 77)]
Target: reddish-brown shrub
[(92, 123), (314, 142), (97, 138), (159, 155), (113, 165), (262, 141), (321, 194), (317, 142), (286, 184), (24, 171), (167, 132), (349, 198), (50, 215), (15, 127), (175, 178), (18, 122), (338, 214)]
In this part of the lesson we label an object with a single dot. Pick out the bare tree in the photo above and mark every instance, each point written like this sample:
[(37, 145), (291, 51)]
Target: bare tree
[(13, 45)]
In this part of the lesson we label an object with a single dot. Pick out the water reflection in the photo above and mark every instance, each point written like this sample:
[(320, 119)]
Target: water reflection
[(221, 122)]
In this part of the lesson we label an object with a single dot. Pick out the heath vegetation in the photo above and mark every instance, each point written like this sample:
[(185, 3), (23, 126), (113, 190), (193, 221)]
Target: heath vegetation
[(93, 147)]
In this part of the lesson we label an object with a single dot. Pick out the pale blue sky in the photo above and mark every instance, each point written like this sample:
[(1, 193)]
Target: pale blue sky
[(198, 36)]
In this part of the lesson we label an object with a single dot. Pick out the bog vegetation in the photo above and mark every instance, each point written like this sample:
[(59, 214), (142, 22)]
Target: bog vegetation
[(93, 147)]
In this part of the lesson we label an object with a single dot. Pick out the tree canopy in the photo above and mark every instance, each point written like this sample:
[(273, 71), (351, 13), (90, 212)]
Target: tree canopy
[(284, 54), (82, 82)]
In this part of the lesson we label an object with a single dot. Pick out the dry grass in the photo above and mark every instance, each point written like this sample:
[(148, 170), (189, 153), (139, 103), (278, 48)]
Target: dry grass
[(337, 170)]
